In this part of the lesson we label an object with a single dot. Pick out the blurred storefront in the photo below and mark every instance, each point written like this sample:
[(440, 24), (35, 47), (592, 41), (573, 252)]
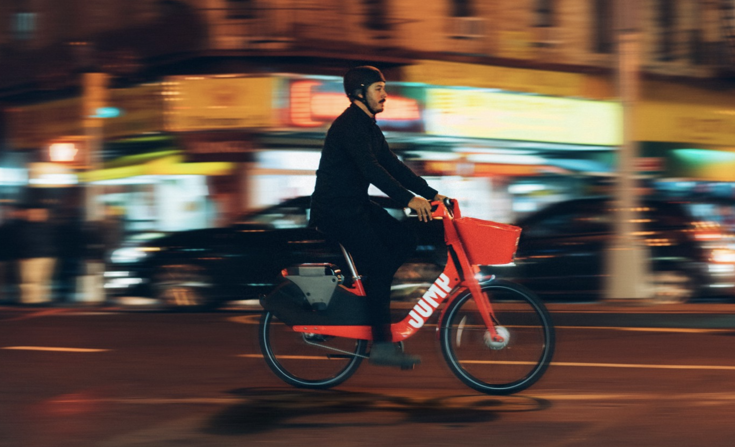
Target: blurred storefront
[(142, 172), (687, 136), (194, 151)]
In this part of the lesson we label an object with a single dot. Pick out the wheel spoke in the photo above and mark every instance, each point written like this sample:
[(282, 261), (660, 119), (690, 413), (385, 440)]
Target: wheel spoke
[(305, 363), (509, 367)]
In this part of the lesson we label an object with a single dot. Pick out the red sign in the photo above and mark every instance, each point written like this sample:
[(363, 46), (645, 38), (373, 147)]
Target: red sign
[(313, 107)]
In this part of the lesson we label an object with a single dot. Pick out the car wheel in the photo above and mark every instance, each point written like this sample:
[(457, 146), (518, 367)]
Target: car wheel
[(183, 286), (672, 286)]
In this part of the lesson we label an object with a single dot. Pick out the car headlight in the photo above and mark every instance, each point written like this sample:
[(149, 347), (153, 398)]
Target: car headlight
[(127, 255), (723, 256)]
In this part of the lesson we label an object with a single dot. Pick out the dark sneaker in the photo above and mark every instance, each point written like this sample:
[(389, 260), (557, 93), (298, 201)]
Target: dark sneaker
[(388, 354)]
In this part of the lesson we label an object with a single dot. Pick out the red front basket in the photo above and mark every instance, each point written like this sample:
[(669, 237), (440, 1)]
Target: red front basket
[(487, 242)]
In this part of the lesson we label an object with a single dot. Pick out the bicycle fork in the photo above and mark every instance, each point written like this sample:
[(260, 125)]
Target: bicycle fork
[(481, 300), (458, 263)]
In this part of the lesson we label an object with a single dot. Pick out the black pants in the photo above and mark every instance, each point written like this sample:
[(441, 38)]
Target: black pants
[(379, 245)]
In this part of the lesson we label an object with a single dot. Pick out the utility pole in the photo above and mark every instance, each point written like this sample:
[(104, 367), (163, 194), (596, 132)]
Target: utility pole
[(94, 98), (628, 259)]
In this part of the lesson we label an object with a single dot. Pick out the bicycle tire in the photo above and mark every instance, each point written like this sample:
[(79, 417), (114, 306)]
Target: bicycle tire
[(509, 369), (305, 365)]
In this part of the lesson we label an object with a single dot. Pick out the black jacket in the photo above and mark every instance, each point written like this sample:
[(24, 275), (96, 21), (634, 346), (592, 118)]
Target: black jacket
[(355, 155)]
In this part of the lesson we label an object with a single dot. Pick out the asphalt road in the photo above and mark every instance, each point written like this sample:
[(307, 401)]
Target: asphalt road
[(622, 376)]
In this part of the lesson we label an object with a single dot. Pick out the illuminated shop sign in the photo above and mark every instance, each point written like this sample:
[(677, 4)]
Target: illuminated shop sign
[(218, 146), (50, 175), (316, 103), (478, 113), (196, 103), (139, 111), (65, 152)]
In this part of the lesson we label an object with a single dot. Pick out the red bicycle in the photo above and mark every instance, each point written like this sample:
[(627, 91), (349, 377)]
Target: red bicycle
[(496, 336)]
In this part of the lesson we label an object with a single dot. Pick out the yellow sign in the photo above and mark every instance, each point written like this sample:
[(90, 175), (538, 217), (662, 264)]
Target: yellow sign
[(482, 114), (544, 82), (684, 123), (206, 103), (169, 164), (141, 111)]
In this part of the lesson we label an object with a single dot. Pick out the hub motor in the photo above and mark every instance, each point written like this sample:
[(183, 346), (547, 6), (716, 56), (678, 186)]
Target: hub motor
[(497, 345)]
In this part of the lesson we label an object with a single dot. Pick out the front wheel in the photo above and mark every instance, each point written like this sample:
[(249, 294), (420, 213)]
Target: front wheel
[(492, 367), (308, 360)]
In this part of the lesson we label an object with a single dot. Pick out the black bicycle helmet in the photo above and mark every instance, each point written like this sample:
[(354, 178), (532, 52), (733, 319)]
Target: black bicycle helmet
[(358, 79)]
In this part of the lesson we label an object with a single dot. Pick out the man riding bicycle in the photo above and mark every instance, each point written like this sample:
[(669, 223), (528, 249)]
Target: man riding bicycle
[(354, 156)]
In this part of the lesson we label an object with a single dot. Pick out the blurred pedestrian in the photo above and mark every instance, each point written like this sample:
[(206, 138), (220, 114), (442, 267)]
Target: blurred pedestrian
[(113, 229), (8, 252), (36, 243), (71, 254)]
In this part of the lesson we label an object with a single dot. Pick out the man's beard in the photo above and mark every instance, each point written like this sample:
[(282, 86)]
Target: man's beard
[(378, 106)]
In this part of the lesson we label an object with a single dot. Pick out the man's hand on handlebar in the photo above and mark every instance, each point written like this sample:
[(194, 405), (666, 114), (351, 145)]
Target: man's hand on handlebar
[(422, 208)]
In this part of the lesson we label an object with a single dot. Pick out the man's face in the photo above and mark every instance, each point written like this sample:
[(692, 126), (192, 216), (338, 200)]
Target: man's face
[(376, 96)]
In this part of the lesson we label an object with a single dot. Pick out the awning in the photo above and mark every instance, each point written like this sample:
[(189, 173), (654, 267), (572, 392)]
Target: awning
[(161, 163)]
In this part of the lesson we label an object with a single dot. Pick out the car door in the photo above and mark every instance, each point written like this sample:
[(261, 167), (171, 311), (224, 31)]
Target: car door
[(269, 241), (561, 251)]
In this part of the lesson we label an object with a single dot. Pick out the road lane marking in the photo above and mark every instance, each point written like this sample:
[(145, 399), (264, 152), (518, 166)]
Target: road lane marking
[(607, 365), (41, 313), (568, 364), (290, 357), (651, 329), (53, 349), (255, 319), (245, 319), (646, 366)]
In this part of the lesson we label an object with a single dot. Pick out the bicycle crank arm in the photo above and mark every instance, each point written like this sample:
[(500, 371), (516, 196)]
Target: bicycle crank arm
[(329, 348)]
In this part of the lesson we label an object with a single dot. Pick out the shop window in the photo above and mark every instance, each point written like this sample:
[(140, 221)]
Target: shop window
[(24, 25), (463, 23), (544, 14), (376, 15), (706, 44), (462, 8), (241, 9), (666, 17), (169, 8), (603, 30)]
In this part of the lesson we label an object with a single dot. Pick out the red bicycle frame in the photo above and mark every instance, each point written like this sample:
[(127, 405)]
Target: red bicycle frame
[(458, 275)]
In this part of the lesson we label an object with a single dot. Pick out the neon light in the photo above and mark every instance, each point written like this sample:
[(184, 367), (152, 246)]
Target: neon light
[(301, 104), (62, 152), (311, 108)]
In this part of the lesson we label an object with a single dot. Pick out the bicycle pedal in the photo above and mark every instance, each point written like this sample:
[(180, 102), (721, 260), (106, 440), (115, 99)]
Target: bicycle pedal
[(316, 338)]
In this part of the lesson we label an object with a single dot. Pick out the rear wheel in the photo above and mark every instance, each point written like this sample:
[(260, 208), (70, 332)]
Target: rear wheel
[(492, 367), (308, 360)]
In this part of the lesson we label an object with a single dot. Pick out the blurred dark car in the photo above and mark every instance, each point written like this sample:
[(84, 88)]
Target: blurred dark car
[(206, 267), (562, 250)]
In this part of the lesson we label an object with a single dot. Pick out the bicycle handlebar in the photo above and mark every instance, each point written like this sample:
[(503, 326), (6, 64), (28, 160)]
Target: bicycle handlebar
[(445, 208), (440, 208)]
